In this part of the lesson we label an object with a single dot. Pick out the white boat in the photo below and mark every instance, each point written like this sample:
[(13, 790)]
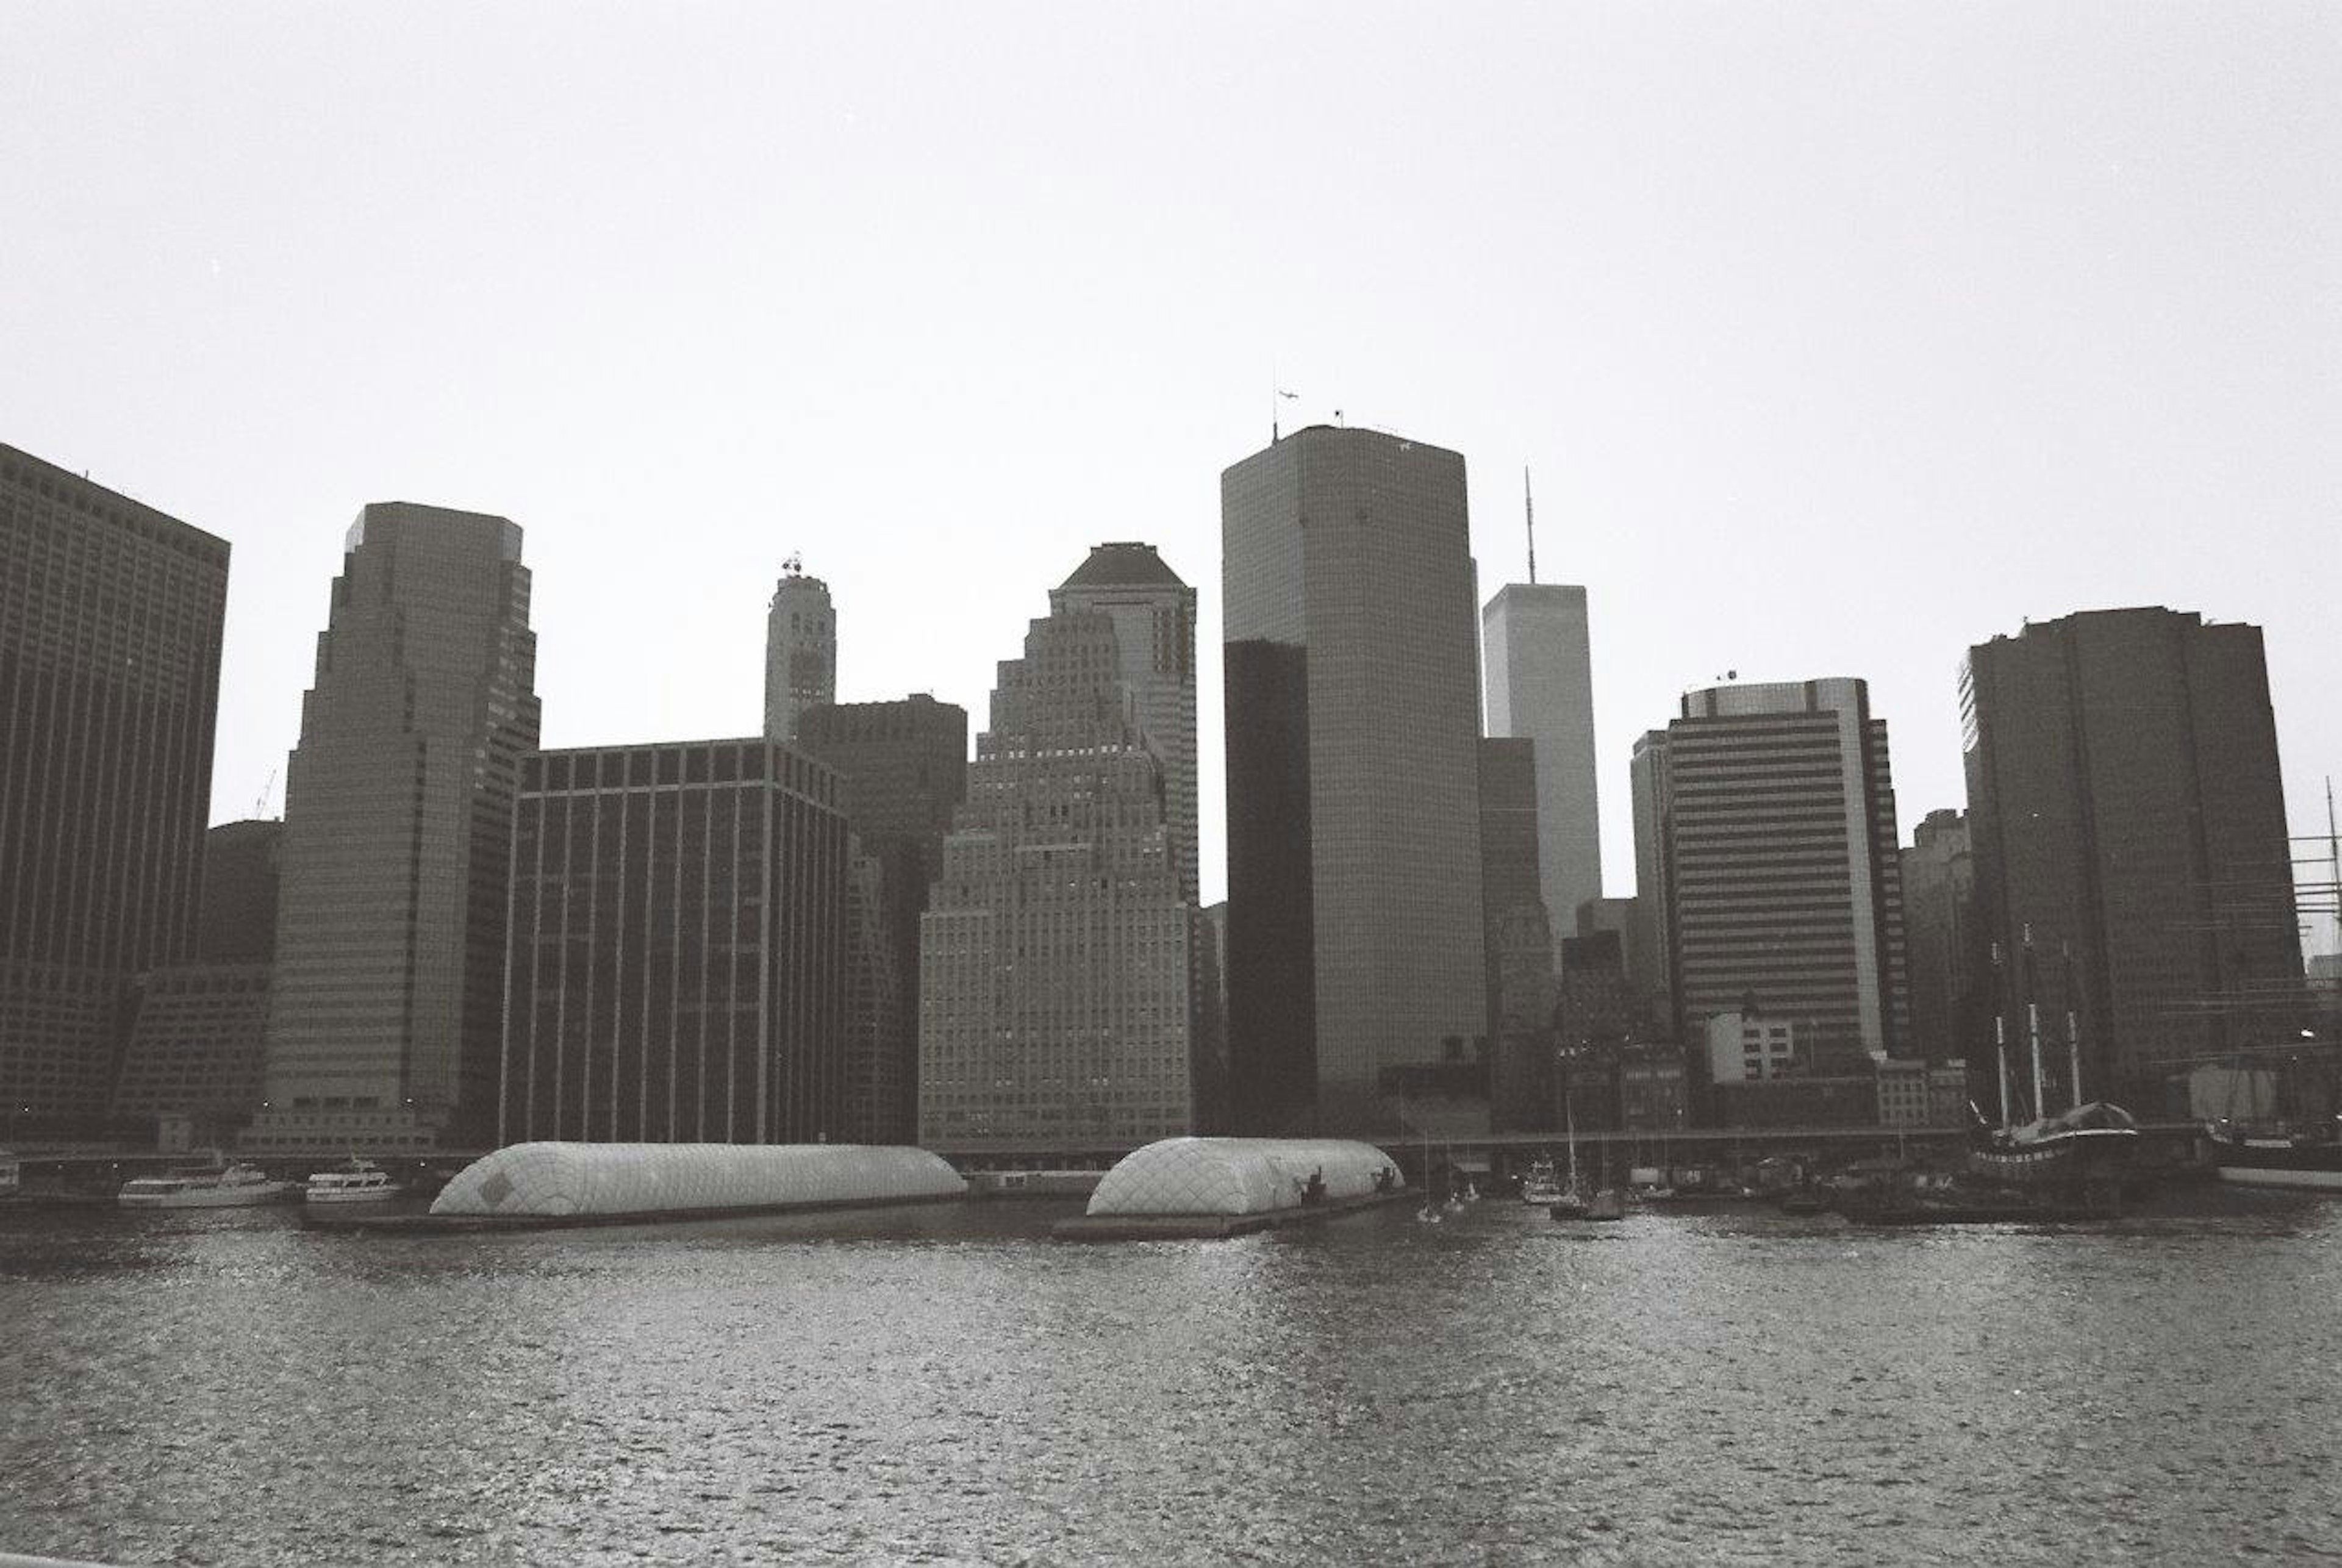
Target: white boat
[(1542, 1185), (236, 1186), (359, 1181)]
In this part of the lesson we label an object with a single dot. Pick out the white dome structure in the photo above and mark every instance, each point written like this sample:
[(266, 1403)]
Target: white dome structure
[(1233, 1176), (587, 1181)]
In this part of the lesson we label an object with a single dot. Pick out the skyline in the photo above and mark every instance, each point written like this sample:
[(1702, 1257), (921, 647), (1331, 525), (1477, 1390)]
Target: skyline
[(1969, 319)]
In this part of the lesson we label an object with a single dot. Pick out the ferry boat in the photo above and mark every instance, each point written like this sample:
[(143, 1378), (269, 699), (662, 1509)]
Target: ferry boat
[(359, 1181), (233, 1186)]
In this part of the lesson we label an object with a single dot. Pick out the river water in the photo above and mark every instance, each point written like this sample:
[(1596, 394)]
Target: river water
[(950, 1385)]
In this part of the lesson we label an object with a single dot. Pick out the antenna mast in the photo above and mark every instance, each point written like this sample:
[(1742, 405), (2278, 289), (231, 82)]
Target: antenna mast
[(1528, 509)]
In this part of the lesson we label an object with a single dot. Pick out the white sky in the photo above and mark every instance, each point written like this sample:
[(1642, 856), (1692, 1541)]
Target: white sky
[(1840, 335)]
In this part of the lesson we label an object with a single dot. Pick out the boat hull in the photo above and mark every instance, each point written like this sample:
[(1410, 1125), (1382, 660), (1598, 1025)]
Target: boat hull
[(212, 1197), (353, 1195), (2062, 1160), (2300, 1167)]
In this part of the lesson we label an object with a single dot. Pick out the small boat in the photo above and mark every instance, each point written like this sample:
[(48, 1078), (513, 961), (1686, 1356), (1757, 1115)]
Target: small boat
[(1608, 1204), (359, 1181), (236, 1186), (1542, 1185), (1567, 1206), (2302, 1161)]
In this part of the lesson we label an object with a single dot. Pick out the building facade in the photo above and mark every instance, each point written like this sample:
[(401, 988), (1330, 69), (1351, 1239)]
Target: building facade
[(902, 770), (1057, 963), (679, 969), (1519, 937), (1651, 944), (800, 652), (2125, 804), (1154, 616), (385, 1014), (1784, 887), (110, 623), (196, 1048), (1949, 967), (1540, 687), (1357, 945)]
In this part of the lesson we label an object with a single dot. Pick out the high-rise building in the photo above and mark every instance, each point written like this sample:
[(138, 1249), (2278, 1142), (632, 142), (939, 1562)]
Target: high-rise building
[(1057, 969), (678, 965), (1784, 894), (386, 1015), (1540, 681), (110, 621), (902, 770), (1650, 945), (238, 923), (2125, 805), (1154, 616), (1519, 937), (800, 652), (1356, 939), (1951, 1011)]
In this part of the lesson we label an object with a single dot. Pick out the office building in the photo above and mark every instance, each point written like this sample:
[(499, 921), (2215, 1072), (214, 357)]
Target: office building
[(1058, 999), (1519, 938), (238, 919), (1651, 944), (385, 1011), (1951, 1011), (110, 622), (902, 769), (2125, 804), (1356, 943), (678, 965), (881, 1064), (1154, 616), (196, 1048), (1784, 888), (1540, 687), (800, 652)]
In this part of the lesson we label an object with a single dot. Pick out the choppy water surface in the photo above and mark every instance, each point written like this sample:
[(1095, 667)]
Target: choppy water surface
[(950, 1385)]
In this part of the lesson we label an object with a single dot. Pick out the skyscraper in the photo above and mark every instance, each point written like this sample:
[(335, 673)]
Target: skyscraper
[(1651, 943), (386, 1015), (1519, 939), (110, 620), (902, 770), (1057, 958), (800, 652), (1540, 681), (1154, 616), (1950, 1013), (1355, 943), (678, 941), (2126, 804), (1784, 892)]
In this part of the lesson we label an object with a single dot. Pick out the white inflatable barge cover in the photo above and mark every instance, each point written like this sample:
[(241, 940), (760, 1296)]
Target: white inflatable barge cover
[(1241, 1175), (590, 1180)]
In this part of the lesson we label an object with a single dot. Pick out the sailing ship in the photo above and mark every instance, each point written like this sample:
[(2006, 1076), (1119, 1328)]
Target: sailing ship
[(2086, 1148)]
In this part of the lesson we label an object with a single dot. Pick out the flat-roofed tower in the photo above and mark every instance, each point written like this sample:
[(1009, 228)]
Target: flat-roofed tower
[(110, 620), (385, 1016), (1356, 940), (1540, 687)]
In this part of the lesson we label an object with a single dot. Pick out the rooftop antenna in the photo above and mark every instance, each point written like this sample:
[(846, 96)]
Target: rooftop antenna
[(1529, 508), (1277, 393)]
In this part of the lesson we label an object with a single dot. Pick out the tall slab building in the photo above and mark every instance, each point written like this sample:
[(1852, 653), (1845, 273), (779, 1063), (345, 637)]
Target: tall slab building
[(800, 652), (386, 1015), (1154, 616), (110, 621), (679, 969), (1540, 687), (1058, 999), (2125, 802), (1356, 937), (1784, 887)]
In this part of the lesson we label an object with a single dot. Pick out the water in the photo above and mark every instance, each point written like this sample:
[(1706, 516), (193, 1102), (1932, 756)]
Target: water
[(948, 1385)]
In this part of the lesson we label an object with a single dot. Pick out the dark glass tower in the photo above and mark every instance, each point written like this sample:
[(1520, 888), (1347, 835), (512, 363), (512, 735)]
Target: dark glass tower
[(2125, 802), (110, 619), (1356, 942), (387, 1012)]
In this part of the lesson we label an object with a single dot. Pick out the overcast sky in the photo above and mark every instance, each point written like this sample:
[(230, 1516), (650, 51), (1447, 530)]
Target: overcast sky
[(1840, 335)]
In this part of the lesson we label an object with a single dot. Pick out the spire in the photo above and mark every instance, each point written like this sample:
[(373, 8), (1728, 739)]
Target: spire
[(1529, 506)]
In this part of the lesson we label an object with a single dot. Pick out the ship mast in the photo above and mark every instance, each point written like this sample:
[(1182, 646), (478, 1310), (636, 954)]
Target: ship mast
[(2073, 1036), (2000, 1035), (2033, 1025)]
